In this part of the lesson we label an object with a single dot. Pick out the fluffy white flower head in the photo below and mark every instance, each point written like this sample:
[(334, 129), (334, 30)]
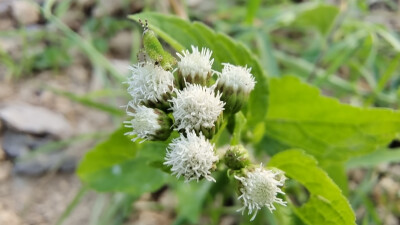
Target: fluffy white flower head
[(192, 157), (259, 188), (196, 106), (237, 77), (144, 123), (149, 82), (195, 63)]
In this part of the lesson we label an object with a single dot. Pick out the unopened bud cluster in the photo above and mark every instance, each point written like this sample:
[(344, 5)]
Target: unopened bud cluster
[(184, 100)]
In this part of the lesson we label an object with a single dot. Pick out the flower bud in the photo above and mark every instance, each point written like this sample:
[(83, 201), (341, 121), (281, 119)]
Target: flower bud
[(154, 49), (150, 85), (192, 156), (259, 187), (237, 157), (235, 83), (148, 124), (195, 67)]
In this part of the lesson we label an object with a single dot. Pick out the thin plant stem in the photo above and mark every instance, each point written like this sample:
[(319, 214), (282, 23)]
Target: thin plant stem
[(72, 205)]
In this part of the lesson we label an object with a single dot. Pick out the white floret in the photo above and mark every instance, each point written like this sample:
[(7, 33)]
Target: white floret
[(237, 77), (195, 107), (195, 63), (149, 82), (192, 157), (144, 123), (260, 188)]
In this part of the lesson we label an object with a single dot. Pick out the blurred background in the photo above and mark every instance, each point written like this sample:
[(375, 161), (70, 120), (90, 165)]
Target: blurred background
[(62, 64)]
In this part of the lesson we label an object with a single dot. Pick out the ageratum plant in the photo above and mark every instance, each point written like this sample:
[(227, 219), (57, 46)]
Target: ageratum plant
[(197, 110), (209, 123)]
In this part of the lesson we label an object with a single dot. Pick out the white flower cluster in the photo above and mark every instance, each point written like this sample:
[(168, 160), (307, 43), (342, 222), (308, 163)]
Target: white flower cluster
[(193, 106), (260, 188), (197, 109)]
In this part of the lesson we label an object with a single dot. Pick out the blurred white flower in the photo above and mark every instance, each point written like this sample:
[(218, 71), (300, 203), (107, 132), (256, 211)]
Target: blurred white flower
[(148, 124), (196, 107), (195, 67), (192, 157), (149, 82), (237, 78), (260, 188)]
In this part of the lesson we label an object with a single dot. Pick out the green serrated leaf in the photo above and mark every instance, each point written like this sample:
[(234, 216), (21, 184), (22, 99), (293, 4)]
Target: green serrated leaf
[(326, 204), (181, 34), (118, 165), (337, 171), (300, 117)]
